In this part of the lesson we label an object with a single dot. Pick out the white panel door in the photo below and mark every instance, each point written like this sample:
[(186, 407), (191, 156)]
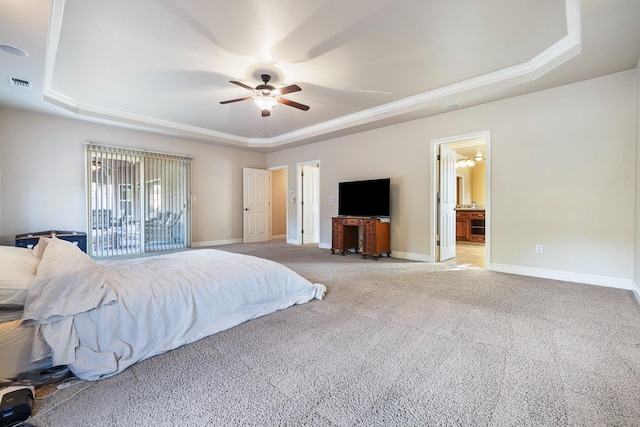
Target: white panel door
[(447, 203), (256, 196), (311, 204)]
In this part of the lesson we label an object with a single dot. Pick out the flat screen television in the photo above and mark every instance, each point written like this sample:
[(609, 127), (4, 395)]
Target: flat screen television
[(364, 198)]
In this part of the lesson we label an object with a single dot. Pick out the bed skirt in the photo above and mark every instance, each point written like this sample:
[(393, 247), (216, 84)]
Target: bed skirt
[(16, 346)]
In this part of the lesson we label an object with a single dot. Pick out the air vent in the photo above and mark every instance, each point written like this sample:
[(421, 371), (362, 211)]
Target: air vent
[(19, 82)]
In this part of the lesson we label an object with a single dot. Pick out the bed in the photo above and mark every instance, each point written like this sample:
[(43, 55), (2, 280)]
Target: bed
[(16, 343), (17, 269), (99, 318)]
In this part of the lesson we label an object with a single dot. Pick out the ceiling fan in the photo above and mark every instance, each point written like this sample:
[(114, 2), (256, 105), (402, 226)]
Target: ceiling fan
[(267, 96)]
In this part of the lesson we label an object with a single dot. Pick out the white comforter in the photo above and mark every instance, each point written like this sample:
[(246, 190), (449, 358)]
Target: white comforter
[(100, 318)]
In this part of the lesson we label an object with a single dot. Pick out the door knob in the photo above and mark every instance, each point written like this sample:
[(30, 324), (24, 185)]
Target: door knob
[(246, 209)]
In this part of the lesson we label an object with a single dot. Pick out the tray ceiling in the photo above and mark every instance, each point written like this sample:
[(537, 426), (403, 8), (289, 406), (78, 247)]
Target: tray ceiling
[(165, 65)]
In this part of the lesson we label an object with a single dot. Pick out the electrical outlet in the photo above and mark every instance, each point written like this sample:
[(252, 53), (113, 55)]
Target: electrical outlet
[(229, 233), (539, 249)]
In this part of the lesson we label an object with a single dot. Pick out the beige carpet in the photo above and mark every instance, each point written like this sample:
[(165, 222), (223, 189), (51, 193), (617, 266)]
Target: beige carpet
[(393, 343)]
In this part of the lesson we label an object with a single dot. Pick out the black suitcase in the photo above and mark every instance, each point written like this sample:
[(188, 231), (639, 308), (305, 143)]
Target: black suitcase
[(29, 240)]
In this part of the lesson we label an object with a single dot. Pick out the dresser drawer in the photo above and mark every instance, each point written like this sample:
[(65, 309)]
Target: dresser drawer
[(352, 221)]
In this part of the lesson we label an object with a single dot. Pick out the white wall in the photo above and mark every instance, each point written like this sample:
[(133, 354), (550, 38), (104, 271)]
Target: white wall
[(562, 176), (42, 184)]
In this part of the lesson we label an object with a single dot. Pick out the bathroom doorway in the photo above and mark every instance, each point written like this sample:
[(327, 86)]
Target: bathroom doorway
[(471, 185)]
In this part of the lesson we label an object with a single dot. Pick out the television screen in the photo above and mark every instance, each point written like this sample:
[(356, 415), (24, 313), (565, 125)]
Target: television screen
[(364, 198)]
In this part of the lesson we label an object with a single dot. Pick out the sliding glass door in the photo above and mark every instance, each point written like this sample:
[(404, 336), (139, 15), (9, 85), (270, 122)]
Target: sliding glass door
[(166, 195), (138, 201)]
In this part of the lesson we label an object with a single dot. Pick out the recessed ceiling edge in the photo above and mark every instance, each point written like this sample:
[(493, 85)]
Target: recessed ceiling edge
[(561, 51)]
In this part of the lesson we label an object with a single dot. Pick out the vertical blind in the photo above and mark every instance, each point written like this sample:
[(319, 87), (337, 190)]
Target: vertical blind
[(138, 201)]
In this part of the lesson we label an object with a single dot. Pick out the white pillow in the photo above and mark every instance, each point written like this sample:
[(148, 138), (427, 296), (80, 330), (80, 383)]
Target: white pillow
[(17, 268), (38, 249), (67, 282)]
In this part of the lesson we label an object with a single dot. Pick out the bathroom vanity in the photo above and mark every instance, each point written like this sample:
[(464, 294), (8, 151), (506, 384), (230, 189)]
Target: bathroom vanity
[(470, 225)]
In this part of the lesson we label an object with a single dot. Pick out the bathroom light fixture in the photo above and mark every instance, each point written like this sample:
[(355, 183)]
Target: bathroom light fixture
[(464, 163), (478, 158)]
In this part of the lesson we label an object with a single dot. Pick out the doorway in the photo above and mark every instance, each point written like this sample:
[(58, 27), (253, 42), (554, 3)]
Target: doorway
[(278, 203), (309, 202), (264, 204), (460, 208)]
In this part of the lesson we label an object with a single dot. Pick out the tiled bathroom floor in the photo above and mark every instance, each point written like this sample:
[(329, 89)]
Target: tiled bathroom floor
[(470, 254)]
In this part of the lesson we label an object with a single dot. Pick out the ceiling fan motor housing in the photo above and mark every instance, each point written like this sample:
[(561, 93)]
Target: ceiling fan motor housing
[(265, 89)]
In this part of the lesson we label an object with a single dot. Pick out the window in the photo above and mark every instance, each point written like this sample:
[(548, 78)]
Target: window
[(138, 201)]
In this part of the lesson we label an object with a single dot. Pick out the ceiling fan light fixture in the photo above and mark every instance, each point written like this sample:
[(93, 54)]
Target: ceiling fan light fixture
[(265, 102)]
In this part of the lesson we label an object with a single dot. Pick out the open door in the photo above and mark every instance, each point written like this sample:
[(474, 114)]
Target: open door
[(310, 204), (256, 196), (446, 204)]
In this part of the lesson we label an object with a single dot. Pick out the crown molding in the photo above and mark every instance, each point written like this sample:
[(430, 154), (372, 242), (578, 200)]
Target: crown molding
[(564, 49)]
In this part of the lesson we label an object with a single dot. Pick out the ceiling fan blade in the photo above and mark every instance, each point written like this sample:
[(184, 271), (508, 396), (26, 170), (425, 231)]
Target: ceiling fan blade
[(289, 89), (242, 85), (266, 113), (293, 104), (235, 100)]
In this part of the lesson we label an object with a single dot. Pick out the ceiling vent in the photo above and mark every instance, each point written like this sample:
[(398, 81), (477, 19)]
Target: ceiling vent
[(19, 82)]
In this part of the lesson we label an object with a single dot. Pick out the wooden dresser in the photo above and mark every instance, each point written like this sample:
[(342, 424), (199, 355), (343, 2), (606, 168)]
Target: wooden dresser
[(376, 238)]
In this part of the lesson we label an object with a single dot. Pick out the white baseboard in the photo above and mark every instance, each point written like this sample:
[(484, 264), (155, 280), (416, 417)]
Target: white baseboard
[(411, 256), (636, 289), (400, 255), (320, 244), (611, 282), (279, 236), (215, 243)]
